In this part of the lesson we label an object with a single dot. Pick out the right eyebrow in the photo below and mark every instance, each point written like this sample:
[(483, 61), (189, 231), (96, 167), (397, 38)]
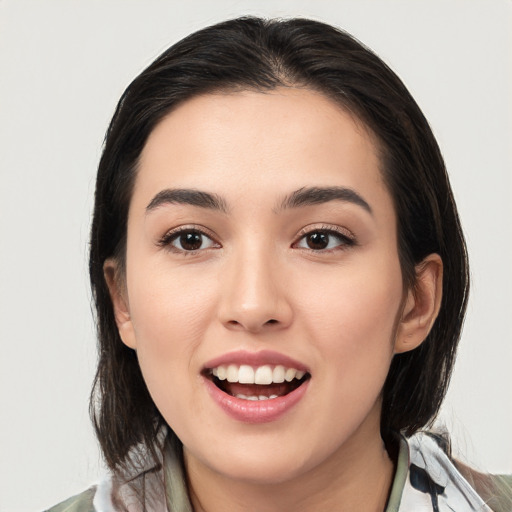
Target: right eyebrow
[(187, 196)]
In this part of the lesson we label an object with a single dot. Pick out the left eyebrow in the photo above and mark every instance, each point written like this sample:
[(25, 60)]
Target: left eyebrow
[(307, 196), (187, 196)]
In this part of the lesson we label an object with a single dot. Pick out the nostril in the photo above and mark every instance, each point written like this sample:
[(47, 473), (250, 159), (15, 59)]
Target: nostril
[(252, 324)]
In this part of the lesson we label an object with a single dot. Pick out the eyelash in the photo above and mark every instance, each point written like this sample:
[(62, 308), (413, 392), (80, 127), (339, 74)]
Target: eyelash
[(345, 240), (174, 234)]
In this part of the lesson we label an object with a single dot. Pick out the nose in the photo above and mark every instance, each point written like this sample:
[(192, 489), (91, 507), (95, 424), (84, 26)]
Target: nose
[(254, 297)]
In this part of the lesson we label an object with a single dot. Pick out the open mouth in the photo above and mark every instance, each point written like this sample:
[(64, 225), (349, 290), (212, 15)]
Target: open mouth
[(265, 382)]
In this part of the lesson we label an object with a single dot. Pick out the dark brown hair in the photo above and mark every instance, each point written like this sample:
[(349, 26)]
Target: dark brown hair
[(257, 54)]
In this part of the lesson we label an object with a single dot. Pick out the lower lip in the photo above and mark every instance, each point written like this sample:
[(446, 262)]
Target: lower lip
[(255, 411)]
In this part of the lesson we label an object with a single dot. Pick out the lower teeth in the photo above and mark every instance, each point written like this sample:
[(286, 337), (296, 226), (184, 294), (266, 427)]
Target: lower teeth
[(253, 397)]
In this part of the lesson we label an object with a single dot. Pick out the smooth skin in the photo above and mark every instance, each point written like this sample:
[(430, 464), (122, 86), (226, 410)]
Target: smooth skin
[(320, 283)]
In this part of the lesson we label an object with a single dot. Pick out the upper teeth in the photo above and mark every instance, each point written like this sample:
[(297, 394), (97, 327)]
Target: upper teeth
[(266, 374)]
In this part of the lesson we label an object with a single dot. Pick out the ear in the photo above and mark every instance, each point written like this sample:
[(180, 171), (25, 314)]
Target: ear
[(118, 295), (421, 305)]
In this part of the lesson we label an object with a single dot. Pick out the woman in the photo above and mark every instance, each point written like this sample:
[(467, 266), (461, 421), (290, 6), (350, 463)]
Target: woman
[(280, 280)]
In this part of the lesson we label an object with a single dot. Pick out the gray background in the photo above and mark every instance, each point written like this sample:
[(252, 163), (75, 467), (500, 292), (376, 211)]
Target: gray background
[(63, 65)]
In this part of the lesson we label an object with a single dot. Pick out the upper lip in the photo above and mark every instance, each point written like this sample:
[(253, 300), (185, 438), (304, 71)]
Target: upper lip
[(255, 359)]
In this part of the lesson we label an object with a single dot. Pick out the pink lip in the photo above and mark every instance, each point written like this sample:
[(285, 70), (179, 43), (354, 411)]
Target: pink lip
[(249, 411), (261, 411), (256, 359)]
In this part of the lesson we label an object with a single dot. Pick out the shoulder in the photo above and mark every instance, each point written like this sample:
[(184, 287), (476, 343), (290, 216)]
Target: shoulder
[(434, 483), (82, 502), (495, 490)]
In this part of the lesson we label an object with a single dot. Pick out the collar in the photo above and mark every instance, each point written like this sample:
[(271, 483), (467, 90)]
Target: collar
[(425, 481)]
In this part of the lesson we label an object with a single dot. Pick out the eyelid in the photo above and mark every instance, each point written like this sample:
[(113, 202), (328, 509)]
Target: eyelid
[(165, 240), (343, 233), (332, 228)]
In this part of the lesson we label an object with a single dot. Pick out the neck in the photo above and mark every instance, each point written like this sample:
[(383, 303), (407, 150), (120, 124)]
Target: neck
[(358, 476)]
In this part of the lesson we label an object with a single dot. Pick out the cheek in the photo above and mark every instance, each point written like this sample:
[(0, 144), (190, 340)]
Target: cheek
[(169, 307), (170, 313), (351, 316), (351, 327)]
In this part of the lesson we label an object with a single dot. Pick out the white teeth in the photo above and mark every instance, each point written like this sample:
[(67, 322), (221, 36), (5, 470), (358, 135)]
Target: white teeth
[(232, 373), (278, 374), (221, 373), (290, 374), (254, 398), (262, 375), (246, 374)]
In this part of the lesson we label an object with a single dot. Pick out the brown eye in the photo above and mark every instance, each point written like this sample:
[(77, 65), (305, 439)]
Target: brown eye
[(190, 240), (321, 240), (317, 240)]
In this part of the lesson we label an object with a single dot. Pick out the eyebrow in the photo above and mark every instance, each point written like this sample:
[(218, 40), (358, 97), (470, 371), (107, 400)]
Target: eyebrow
[(187, 196), (307, 196)]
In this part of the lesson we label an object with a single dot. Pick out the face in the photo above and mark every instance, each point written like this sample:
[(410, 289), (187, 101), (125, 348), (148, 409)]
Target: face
[(263, 291)]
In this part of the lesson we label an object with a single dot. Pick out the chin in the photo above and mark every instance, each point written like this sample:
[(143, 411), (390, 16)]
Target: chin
[(259, 462)]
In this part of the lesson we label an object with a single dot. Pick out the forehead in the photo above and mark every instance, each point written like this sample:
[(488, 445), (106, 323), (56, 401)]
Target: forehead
[(264, 141)]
